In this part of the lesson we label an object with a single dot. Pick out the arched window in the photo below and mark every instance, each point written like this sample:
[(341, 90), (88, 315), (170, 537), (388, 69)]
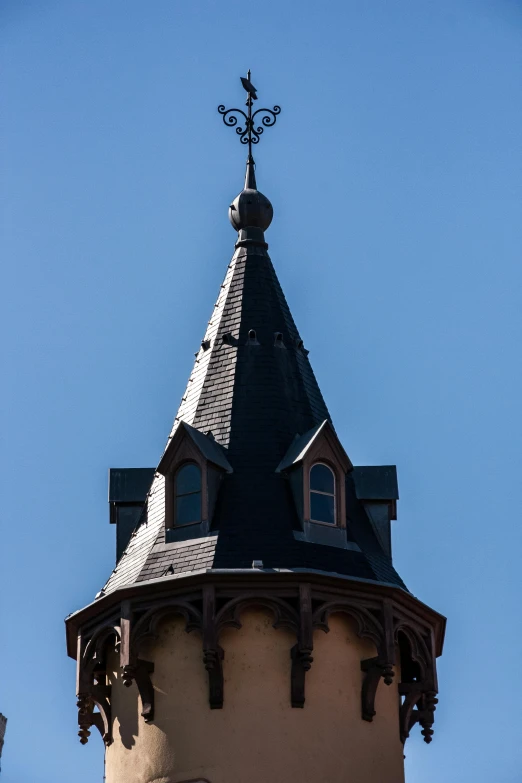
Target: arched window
[(187, 495), (322, 494)]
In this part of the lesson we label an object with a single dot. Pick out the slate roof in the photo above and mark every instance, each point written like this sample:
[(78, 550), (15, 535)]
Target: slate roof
[(255, 396)]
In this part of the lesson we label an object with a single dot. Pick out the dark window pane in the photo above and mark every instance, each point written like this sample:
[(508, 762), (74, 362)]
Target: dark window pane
[(322, 508), (322, 479), (188, 479), (188, 509)]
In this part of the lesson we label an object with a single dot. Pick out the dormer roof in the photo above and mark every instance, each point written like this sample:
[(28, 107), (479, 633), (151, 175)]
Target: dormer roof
[(302, 444), (205, 443)]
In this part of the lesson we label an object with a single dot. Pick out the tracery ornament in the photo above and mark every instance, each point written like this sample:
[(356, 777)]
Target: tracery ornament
[(93, 689), (212, 606), (373, 624), (418, 689)]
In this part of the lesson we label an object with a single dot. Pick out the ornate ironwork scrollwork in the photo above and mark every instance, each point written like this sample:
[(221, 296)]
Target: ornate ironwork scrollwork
[(247, 127), (248, 132)]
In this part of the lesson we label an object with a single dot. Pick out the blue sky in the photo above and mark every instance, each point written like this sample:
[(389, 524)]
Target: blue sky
[(394, 171)]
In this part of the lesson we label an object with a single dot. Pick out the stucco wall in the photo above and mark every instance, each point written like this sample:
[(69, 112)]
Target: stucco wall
[(257, 737)]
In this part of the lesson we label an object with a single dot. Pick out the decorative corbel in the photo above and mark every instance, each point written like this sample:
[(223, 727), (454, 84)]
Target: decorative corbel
[(140, 672), (380, 666), (213, 654), (92, 691), (420, 689), (85, 716), (418, 707), (373, 669), (135, 669), (97, 696), (301, 653)]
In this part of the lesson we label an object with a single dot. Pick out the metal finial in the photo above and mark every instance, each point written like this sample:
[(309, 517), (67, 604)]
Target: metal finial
[(247, 132)]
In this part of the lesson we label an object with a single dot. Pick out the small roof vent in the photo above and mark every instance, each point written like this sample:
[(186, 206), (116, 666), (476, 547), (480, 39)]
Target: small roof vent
[(205, 344), (252, 337), (300, 347), (228, 339), (278, 339)]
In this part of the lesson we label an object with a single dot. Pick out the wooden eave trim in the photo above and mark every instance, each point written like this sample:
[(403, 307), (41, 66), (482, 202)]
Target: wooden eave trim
[(165, 463), (335, 444), (327, 433), (255, 579)]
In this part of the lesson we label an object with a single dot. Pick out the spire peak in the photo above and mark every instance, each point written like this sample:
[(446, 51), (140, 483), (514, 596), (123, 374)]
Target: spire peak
[(250, 176), (250, 209)]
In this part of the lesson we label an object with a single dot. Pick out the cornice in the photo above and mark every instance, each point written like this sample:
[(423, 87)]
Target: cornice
[(259, 579)]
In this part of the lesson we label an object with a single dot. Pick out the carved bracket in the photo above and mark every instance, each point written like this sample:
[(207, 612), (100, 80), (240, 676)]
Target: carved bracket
[(98, 696), (301, 663), (419, 686), (301, 653), (93, 690), (418, 707), (388, 624), (212, 659), (213, 654), (373, 669), (140, 672)]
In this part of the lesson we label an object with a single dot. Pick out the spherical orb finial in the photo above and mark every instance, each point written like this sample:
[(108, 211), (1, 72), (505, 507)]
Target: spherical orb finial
[(250, 209)]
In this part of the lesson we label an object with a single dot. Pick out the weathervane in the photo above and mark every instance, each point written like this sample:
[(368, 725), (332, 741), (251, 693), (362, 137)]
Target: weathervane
[(247, 131)]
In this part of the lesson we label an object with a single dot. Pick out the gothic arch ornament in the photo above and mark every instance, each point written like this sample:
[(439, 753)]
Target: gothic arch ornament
[(418, 693), (368, 626), (146, 627), (373, 624), (93, 689), (143, 630), (391, 619), (283, 614)]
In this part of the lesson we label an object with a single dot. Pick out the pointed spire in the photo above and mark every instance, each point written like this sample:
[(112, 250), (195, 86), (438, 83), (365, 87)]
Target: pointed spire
[(250, 176), (253, 387)]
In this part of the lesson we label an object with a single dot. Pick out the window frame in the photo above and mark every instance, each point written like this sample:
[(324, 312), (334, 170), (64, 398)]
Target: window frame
[(175, 473), (335, 523)]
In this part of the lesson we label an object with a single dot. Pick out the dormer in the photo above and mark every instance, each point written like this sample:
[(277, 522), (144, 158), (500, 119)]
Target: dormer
[(376, 488), (193, 466), (316, 465)]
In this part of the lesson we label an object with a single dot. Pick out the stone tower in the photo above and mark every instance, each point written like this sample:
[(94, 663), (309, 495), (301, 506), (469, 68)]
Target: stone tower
[(254, 629)]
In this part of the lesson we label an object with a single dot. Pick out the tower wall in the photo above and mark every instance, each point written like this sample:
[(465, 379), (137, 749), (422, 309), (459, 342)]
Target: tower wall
[(257, 737)]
